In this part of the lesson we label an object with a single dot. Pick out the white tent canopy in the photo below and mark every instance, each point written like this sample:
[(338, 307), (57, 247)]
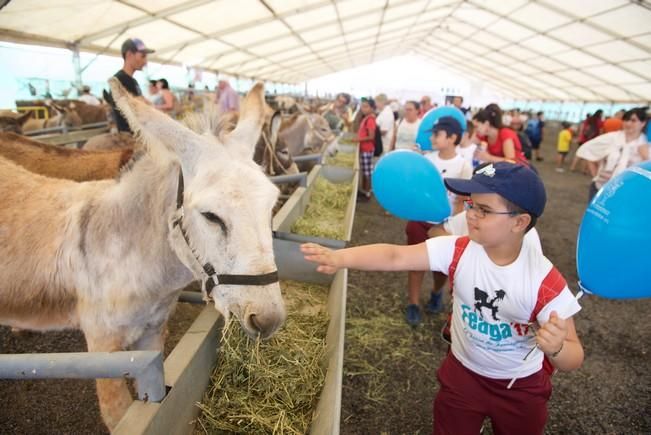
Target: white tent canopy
[(577, 50)]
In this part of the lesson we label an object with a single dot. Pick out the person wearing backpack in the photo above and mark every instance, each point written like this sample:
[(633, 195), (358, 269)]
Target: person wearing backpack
[(508, 299), (367, 136), (534, 132)]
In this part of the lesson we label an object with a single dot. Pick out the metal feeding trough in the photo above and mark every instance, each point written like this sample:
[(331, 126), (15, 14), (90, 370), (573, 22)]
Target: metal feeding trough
[(289, 259), (189, 367)]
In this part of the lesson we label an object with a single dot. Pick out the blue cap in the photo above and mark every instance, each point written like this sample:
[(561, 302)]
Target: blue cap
[(515, 183)]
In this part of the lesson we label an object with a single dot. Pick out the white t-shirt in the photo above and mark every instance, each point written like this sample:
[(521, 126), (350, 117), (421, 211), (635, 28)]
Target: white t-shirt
[(89, 99), (457, 225), (386, 121), (468, 153), (406, 134), (492, 306), (456, 167), (614, 153)]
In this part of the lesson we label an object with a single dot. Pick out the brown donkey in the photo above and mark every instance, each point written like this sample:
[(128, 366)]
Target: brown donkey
[(108, 256), (59, 162)]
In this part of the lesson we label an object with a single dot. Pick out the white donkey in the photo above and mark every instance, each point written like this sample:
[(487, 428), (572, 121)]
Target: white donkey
[(108, 256)]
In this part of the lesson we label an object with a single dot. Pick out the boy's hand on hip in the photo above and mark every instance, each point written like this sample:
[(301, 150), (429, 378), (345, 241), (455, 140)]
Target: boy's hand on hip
[(553, 333), (324, 257)]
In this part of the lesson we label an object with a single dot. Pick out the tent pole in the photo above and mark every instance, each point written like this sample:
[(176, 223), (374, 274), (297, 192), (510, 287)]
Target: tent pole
[(76, 63)]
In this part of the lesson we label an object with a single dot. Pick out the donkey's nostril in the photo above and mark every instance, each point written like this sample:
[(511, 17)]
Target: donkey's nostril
[(264, 325)]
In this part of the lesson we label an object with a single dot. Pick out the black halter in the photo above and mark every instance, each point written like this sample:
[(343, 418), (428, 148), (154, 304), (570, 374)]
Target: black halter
[(213, 279)]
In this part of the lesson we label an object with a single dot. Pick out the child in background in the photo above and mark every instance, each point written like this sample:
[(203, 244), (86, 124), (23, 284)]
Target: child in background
[(467, 147), (445, 136), (365, 137), (502, 288), (563, 145)]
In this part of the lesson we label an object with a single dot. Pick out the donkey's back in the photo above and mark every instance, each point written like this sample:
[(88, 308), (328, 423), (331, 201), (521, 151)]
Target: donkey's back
[(37, 243)]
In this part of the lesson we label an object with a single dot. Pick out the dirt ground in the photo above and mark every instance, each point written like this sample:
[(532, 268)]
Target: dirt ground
[(610, 394), (389, 384)]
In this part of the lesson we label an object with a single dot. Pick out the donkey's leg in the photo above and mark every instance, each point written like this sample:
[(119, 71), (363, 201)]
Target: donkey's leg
[(113, 394)]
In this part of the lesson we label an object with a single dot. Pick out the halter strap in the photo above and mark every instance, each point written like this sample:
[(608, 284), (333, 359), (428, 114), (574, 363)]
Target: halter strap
[(212, 278)]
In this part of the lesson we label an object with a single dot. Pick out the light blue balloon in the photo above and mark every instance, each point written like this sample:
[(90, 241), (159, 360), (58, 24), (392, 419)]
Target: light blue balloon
[(429, 121), (612, 252), (409, 186), (648, 131)]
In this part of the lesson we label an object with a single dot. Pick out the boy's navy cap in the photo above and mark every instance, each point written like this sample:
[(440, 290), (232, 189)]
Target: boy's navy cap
[(449, 125), (513, 182), (135, 44)]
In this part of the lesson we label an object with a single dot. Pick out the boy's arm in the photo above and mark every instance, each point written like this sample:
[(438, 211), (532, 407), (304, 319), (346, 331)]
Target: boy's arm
[(370, 257), (558, 340)]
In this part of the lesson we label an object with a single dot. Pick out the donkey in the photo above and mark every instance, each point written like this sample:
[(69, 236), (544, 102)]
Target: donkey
[(305, 133), (59, 162), (67, 116), (109, 257), (12, 121)]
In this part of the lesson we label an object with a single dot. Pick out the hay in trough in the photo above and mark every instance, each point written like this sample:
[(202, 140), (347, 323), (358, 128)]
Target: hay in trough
[(270, 387), (346, 160), (324, 215)]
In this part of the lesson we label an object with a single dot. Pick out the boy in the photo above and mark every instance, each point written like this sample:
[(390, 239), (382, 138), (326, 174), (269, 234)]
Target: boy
[(501, 287), (563, 145), (446, 135), (365, 137), (534, 130)]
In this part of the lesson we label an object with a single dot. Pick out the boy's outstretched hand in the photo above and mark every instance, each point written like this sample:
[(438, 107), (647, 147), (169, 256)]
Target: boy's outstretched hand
[(551, 335), (324, 257)]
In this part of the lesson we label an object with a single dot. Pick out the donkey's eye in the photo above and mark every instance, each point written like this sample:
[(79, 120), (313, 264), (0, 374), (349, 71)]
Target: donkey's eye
[(212, 217)]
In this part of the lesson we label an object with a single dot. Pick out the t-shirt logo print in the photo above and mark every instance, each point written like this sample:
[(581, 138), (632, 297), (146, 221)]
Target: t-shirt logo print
[(481, 301)]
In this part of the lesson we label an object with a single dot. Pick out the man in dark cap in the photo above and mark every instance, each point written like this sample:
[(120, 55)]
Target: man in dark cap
[(134, 54)]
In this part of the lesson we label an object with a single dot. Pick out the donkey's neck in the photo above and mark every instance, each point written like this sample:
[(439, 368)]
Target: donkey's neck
[(295, 135), (134, 217)]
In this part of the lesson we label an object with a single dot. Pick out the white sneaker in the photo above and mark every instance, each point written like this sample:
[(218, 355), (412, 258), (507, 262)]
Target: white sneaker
[(560, 170)]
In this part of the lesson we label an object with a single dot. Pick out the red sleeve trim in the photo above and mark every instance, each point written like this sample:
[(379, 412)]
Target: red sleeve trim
[(459, 246), (551, 286)]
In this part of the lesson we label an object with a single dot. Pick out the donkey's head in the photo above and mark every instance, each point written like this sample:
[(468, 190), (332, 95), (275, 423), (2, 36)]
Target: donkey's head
[(12, 121), (221, 229)]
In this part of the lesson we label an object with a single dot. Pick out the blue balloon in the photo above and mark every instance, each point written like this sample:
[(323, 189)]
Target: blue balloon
[(612, 252), (409, 186), (648, 132), (429, 121)]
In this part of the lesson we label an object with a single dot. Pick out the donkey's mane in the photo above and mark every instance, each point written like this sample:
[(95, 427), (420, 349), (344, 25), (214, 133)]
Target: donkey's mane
[(210, 120)]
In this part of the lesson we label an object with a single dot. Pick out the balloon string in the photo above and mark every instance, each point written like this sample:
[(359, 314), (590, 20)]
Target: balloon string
[(532, 351)]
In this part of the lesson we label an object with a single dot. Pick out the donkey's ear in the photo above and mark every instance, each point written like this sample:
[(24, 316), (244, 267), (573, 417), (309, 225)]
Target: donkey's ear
[(275, 123), (156, 129), (242, 140)]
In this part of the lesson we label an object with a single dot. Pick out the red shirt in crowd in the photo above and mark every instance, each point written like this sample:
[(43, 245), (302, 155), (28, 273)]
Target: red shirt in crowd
[(367, 125), (497, 148)]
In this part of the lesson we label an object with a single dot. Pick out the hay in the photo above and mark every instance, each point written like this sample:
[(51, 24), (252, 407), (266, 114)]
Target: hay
[(324, 215), (346, 160), (273, 386)]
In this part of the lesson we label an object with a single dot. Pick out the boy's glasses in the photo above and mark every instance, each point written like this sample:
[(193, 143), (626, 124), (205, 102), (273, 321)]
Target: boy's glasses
[(481, 212)]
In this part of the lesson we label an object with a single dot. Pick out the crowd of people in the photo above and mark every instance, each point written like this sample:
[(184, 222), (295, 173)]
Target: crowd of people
[(488, 250)]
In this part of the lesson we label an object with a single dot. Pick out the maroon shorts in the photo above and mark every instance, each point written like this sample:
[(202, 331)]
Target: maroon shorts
[(417, 232), (465, 399)]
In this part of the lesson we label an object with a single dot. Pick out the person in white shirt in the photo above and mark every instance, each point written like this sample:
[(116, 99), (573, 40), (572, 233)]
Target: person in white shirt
[(87, 97), (405, 133), (467, 147), (385, 121), (511, 306), (445, 136), (610, 153)]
